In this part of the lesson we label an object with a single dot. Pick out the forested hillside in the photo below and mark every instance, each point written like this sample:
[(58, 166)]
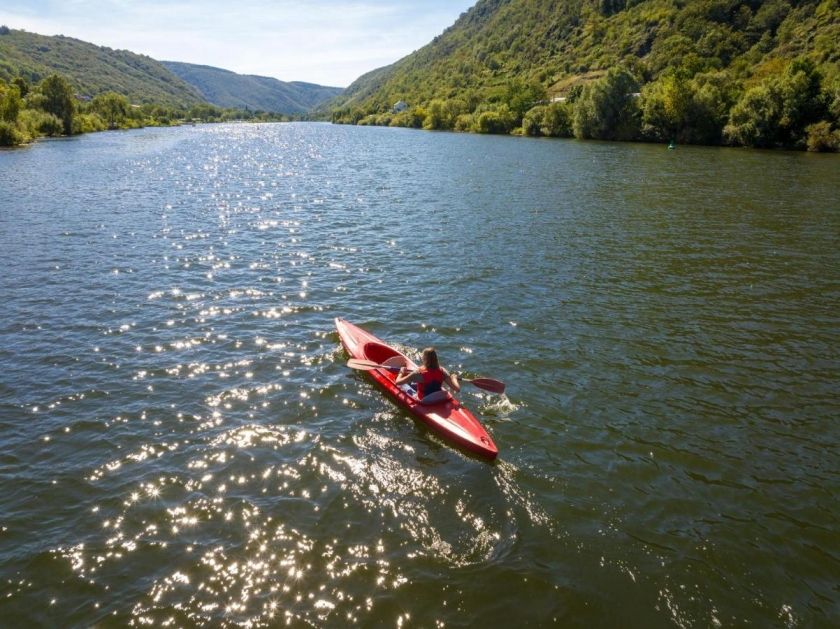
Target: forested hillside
[(53, 86), (744, 72), (228, 89), (91, 69)]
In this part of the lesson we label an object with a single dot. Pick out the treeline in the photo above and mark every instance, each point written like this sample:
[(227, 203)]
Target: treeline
[(51, 108), (738, 72), (794, 109)]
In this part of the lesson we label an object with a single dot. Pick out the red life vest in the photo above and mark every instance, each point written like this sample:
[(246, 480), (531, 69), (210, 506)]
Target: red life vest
[(432, 381)]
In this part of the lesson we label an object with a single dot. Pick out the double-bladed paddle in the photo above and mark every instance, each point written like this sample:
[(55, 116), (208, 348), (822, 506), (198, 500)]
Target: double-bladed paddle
[(488, 384)]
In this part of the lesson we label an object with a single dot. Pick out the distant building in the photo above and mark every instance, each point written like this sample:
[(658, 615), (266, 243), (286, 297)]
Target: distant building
[(399, 106)]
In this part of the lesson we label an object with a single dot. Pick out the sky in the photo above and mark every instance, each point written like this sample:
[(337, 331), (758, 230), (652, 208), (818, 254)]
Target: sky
[(329, 42)]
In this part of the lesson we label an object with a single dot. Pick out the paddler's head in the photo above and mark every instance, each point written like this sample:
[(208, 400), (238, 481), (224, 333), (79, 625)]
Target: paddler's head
[(430, 359)]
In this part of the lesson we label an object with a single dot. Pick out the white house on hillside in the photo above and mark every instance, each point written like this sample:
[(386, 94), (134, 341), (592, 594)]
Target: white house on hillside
[(399, 106)]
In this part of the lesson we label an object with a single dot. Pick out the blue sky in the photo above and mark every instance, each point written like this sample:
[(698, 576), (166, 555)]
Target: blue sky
[(330, 42)]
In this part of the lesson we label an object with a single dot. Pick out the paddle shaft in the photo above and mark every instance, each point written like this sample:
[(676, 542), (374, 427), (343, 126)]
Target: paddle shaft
[(487, 384)]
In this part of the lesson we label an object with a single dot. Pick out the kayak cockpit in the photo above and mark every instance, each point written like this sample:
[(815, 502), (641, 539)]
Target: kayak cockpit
[(384, 355)]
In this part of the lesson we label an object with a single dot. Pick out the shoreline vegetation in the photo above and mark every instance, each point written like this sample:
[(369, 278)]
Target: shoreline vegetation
[(753, 73), (796, 109), (50, 108)]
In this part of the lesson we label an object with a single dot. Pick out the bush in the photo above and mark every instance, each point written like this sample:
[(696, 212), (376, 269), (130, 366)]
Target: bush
[(464, 122), (821, 138), (499, 121), (533, 120), (412, 118), (9, 134), (35, 122), (88, 123), (557, 121)]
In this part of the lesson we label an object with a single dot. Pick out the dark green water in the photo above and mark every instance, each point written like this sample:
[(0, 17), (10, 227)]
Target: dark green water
[(182, 443)]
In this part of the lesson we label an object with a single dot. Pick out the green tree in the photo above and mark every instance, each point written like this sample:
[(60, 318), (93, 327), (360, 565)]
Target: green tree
[(754, 121), (666, 107), (607, 108), (10, 104), (532, 121), (437, 117), (113, 108), (778, 111), (557, 121), (58, 100), (521, 96), (802, 103), (22, 85)]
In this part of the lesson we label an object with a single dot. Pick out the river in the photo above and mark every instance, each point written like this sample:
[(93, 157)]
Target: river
[(182, 442)]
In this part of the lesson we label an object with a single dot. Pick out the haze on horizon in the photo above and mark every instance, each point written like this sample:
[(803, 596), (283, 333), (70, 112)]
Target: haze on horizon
[(329, 42)]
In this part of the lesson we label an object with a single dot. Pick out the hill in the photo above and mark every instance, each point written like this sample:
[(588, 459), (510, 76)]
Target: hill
[(504, 57), (228, 89), (92, 69)]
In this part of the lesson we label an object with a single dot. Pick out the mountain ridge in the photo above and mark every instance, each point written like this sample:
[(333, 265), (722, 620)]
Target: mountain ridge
[(225, 88), (92, 69)]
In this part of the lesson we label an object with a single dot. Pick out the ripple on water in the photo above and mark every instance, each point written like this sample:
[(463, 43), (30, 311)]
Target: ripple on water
[(182, 443)]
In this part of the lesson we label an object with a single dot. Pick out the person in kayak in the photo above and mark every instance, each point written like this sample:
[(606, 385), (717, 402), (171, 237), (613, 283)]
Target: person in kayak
[(429, 377)]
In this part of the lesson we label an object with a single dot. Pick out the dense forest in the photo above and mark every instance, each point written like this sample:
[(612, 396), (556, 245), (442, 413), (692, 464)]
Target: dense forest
[(741, 72)]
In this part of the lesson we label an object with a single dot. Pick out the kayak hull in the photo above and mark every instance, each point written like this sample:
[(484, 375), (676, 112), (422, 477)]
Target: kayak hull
[(448, 418)]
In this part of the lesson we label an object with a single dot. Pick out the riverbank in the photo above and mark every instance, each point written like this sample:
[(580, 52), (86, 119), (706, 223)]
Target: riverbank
[(797, 109), (52, 109)]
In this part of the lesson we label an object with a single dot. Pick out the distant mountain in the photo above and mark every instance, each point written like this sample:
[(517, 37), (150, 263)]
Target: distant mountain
[(92, 69), (243, 91)]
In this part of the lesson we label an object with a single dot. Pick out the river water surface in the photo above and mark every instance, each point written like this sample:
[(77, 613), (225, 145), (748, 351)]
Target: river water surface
[(181, 443)]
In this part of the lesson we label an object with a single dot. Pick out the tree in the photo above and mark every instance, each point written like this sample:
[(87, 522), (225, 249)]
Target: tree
[(607, 109), (113, 108), (778, 111), (22, 85), (557, 121), (754, 121), (10, 104), (666, 105), (436, 116), (802, 100), (532, 121), (58, 100), (521, 96)]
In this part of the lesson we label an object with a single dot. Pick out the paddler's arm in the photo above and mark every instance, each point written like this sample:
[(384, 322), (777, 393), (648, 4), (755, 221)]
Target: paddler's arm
[(452, 380), (407, 376)]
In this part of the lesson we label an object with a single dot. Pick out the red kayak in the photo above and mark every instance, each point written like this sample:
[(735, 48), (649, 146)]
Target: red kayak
[(446, 417)]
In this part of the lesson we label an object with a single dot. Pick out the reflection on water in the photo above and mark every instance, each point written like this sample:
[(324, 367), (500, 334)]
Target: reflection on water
[(183, 445)]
